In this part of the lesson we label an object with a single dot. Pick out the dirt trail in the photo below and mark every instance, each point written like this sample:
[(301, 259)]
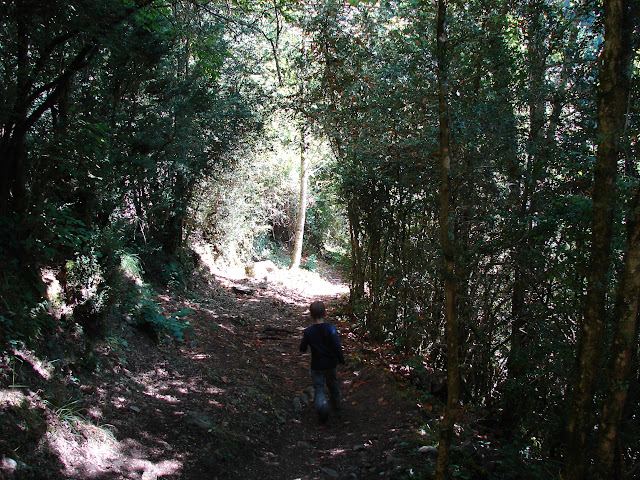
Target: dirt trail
[(371, 438), (227, 403)]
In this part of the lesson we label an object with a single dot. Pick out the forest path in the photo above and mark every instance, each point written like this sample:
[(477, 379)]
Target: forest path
[(373, 437), (228, 402)]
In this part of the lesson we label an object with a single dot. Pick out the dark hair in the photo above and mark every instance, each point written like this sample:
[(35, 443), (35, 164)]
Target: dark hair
[(317, 310)]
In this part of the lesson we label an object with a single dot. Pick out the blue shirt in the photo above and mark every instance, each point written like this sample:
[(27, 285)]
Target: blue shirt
[(326, 350)]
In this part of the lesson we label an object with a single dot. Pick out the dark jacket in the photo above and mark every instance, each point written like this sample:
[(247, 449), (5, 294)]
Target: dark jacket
[(326, 350)]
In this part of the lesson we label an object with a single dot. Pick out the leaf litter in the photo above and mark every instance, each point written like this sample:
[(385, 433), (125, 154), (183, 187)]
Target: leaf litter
[(220, 404)]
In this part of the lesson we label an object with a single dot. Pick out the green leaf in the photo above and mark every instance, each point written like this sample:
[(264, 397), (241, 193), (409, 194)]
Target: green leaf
[(183, 313)]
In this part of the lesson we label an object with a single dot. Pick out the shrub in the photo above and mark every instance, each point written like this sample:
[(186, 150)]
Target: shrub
[(150, 318)]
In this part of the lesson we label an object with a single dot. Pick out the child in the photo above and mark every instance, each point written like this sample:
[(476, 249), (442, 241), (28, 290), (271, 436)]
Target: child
[(326, 352)]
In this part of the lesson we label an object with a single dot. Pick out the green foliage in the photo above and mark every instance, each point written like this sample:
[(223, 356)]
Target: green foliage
[(310, 263), (173, 275), (23, 317), (68, 412), (265, 246), (231, 213), (128, 121), (24, 311), (63, 231), (130, 265), (131, 129), (250, 210), (149, 314), (326, 224), (522, 128), (85, 280)]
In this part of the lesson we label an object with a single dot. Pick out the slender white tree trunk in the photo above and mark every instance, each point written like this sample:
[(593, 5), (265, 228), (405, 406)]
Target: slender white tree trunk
[(302, 203)]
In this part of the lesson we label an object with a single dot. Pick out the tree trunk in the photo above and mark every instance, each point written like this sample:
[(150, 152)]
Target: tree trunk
[(12, 183), (615, 84), (447, 245), (302, 202), (357, 285), (14, 128), (38, 93), (611, 114), (626, 339), (522, 195)]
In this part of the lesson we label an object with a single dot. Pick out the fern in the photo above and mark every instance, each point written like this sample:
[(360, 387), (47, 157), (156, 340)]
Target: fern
[(151, 314)]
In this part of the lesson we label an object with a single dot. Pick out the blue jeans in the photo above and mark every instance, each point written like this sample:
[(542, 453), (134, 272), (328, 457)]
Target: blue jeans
[(330, 377)]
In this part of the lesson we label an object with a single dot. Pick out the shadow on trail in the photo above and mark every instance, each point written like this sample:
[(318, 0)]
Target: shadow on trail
[(231, 401), (374, 435)]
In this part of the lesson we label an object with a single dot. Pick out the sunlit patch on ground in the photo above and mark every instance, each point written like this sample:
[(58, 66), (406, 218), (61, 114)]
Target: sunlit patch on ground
[(157, 393), (216, 404), (157, 383), (94, 412), (44, 368), (302, 282), (11, 398), (89, 451)]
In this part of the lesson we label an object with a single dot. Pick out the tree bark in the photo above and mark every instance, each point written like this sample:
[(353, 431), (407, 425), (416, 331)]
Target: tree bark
[(302, 202), (626, 339), (611, 114), (615, 83), (447, 245)]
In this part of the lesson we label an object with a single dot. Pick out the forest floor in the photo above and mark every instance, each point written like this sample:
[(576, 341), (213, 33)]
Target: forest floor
[(231, 401)]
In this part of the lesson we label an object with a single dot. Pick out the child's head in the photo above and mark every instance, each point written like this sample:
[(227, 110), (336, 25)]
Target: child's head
[(317, 310)]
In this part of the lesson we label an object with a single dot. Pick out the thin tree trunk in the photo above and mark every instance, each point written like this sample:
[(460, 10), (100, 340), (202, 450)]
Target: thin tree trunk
[(611, 112), (523, 199), (626, 339), (616, 67), (446, 233), (302, 202), (357, 268)]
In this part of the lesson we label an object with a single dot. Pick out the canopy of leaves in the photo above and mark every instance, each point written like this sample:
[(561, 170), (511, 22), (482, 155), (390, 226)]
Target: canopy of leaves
[(130, 129)]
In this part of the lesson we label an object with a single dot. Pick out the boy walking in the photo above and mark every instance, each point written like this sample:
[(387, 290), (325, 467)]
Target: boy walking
[(326, 353)]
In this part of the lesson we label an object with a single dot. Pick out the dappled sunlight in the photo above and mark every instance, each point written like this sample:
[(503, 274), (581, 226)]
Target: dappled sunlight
[(156, 393), (214, 391), (219, 401), (302, 282), (337, 451), (119, 402), (89, 451), (200, 356), (310, 283), (11, 398), (94, 412), (161, 384), (172, 387), (54, 289), (43, 367)]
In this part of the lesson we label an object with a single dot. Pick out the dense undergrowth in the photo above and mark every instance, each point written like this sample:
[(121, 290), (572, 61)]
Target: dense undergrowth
[(81, 323), (48, 417)]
